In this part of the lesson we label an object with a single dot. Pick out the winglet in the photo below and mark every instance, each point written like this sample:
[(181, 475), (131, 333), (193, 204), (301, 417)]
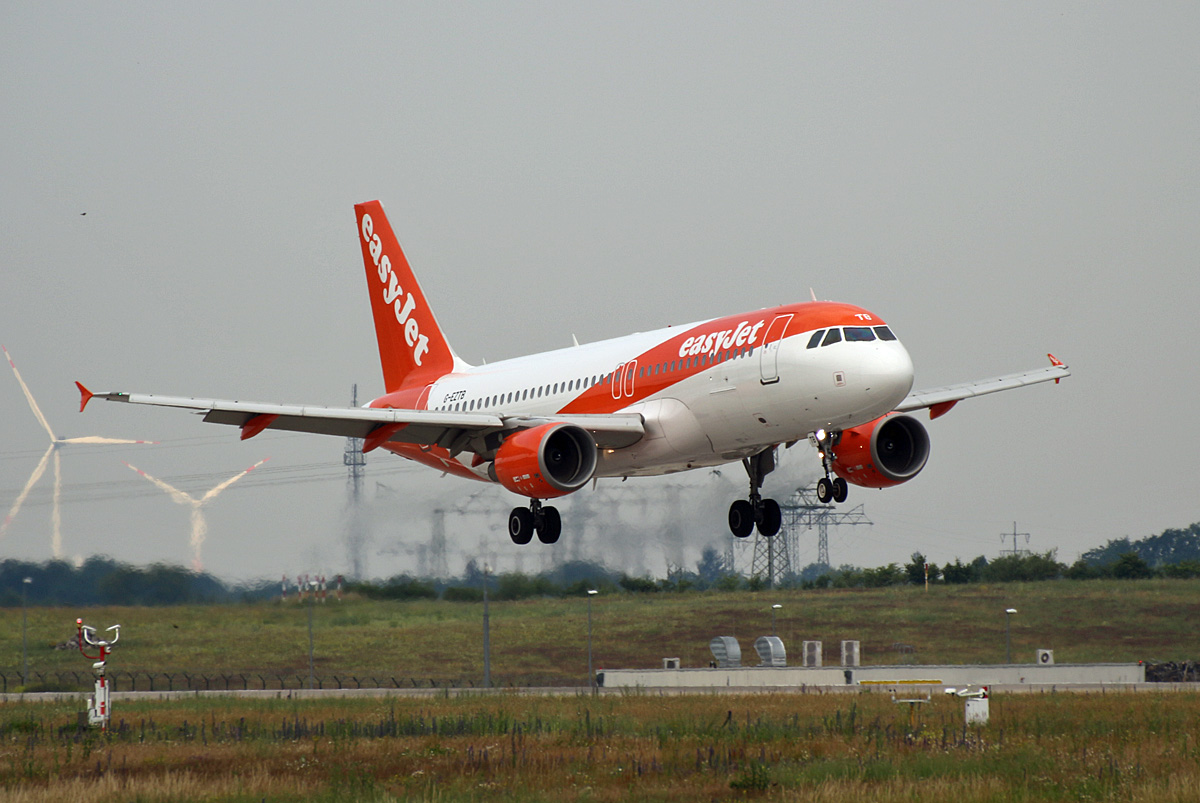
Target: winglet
[(85, 396), (1057, 363)]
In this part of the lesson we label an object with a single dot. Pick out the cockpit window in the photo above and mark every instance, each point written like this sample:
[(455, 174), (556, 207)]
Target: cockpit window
[(815, 340), (834, 336), (884, 333), (859, 334)]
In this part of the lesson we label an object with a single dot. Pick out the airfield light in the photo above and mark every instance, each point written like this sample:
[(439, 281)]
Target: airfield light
[(487, 636), (24, 653), (1008, 613), (774, 608), (591, 674)]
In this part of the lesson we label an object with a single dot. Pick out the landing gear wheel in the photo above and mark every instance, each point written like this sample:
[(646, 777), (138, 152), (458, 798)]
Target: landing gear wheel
[(741, 518), (772, 518), (840, 490), (824, 490), (520, 525), (550, 527)]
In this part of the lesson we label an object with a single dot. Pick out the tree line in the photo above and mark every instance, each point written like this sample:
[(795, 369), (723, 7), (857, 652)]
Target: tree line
[(103, 581), (1174, 553)]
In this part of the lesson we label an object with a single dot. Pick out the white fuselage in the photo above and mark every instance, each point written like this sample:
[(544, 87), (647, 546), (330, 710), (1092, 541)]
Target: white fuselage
[(741, 401)]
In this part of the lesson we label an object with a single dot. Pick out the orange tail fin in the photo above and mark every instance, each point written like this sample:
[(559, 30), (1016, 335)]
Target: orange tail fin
[(412, 348)]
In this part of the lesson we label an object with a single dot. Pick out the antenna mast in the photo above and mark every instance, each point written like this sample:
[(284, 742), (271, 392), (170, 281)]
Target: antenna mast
[(356, 530), (1014, 535)]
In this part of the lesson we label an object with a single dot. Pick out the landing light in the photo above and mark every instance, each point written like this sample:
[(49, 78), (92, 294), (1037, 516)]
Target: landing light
[(820, 433)]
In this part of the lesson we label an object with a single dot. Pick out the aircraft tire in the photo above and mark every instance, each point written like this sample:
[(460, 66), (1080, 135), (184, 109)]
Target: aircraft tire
[(841, 489), (824, 490), (520, 525), (772, 518), (741, 518), (551, 527)]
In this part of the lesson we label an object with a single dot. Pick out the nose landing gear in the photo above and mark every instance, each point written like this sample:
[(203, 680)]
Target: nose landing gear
[(745, 514), (523, 522), (828, 489)]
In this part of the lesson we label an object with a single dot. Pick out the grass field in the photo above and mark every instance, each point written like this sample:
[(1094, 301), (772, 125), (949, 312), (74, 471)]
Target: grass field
[(787, 747), (543, 641)]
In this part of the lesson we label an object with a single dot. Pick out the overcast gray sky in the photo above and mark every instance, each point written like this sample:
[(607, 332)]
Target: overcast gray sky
[(995, 180)]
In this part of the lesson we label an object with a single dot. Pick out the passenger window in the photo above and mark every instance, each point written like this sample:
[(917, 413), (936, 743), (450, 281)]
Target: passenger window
[(884, 333), (815, 340), (834, 336), (859, 334)]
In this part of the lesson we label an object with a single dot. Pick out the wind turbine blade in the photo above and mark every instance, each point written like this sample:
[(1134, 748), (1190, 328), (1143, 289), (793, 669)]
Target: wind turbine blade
[(211, 495), (55, 515), (176, 494), (33, 478), (98, 439), (37, 412), (199, 531)]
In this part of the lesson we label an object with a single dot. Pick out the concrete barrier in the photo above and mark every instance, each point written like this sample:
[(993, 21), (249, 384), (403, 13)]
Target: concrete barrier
[(906, 675)]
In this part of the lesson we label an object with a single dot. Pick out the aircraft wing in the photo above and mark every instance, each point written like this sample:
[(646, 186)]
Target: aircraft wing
[(378, 426), (940, 400)]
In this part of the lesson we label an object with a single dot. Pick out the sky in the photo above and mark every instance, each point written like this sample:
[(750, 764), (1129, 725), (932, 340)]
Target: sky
[(995, 180)]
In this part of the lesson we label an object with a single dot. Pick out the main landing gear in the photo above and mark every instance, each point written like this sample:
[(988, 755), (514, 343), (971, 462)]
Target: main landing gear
[(522, 523), (835, 489), (744, 514)]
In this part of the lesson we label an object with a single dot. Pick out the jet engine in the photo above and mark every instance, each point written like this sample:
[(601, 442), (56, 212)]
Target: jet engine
[(887, 451), (546, 461)]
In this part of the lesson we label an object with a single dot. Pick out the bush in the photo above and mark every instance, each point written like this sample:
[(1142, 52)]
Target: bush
[(890, 575), (1082, 570), (462, 594), (637, 585), (521, 586), (1023, 568), (398, 588), (1130, 566), (959, 572)]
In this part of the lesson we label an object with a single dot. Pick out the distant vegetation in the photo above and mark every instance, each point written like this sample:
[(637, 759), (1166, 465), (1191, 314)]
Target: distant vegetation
[(103, 581), (1175, 553)]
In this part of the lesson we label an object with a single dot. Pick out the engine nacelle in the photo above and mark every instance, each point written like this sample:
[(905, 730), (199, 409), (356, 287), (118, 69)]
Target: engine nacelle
[(887, 451), (546, 461)]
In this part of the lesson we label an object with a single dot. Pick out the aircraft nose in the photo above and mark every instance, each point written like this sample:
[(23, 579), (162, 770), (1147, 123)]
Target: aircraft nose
[(892, 372)]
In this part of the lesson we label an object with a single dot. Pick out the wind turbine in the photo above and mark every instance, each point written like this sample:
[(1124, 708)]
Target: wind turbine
[(56, 443), (199, 525)]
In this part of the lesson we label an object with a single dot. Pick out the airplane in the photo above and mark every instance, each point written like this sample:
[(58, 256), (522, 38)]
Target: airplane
[(703, 394)]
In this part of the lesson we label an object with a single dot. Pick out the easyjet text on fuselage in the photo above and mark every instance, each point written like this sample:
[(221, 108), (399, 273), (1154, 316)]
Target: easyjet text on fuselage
[(393, 294), (744, 334)]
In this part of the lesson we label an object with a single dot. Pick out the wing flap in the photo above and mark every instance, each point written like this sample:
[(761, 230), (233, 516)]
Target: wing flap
[(424, 427)]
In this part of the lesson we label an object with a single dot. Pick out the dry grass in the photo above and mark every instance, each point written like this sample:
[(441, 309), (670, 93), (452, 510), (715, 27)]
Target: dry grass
[(802, 747)]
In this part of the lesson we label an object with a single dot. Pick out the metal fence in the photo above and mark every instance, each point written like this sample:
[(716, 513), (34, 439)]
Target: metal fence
[(219, 681)]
